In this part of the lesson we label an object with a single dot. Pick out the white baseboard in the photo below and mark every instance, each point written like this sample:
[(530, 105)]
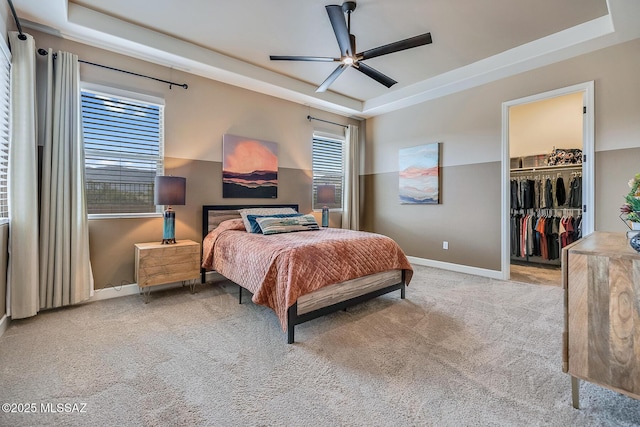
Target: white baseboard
[(132, 289), (114, 292), (4, 324), (493, 274)]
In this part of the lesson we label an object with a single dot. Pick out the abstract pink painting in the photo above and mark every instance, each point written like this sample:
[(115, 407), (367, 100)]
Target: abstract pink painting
[(419, 170), (249, 168)]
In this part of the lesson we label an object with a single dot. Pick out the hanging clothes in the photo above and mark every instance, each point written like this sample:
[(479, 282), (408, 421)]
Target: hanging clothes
[(514, 194), (541, 224), (575, 192), (538, 190), (548, 194), (561, 194), (515, 230)]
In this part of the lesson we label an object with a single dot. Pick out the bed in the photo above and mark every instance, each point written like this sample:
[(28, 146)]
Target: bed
[(301, 275)]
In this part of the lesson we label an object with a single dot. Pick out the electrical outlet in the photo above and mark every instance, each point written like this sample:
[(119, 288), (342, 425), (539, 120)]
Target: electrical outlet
[(445, 245)]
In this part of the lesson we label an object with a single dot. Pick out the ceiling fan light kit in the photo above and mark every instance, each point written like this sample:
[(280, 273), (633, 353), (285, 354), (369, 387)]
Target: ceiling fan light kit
[(347, 44)]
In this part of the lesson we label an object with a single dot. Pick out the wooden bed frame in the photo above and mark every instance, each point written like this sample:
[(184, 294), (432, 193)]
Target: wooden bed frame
[(328, 299)]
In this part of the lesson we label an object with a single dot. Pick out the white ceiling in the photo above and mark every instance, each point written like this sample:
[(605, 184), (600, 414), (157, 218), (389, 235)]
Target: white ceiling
[(474, 41)]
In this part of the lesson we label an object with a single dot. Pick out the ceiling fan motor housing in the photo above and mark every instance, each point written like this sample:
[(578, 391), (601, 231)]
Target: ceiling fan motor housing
[(348, 6)]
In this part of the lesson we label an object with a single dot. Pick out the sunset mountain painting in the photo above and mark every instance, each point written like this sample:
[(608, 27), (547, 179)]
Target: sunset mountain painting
[(249, 168), (419, 174)]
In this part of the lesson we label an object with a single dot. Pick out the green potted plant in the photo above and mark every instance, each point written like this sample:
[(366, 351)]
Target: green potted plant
[(630, 210)]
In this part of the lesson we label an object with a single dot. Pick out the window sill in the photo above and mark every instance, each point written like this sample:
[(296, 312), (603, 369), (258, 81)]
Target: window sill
[(125, 215)]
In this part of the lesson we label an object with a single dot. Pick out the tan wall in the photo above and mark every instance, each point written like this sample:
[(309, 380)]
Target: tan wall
[(539, 127), (421, 229), (469, 126), (614, 169), (195, 120)]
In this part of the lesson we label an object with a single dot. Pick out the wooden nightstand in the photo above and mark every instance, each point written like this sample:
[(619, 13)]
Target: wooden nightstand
[(157, 264)]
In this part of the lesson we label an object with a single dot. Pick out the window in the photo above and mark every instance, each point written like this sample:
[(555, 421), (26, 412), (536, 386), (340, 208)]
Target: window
[(328, 166), (5, 95), (124, 151)]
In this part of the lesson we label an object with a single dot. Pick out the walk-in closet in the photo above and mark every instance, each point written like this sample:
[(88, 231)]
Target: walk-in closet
[(546, 188)]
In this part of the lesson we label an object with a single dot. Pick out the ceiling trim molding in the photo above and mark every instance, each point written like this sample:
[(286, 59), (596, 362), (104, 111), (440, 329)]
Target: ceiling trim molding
[(547, 50)]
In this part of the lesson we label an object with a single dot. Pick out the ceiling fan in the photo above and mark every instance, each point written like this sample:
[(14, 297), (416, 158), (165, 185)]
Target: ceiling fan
[(347, 43)]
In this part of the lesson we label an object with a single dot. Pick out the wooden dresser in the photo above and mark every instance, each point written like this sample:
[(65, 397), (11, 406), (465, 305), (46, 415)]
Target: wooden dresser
[(601, 339)]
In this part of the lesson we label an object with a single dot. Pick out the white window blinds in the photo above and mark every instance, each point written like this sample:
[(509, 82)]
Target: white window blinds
[(5, 105), (124, 150), (328, 167)]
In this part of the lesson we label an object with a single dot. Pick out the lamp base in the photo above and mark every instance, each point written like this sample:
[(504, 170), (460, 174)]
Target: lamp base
[(169, 228), (325, 216)]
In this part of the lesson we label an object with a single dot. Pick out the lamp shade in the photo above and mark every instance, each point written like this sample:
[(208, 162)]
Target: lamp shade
[(326, 194), (170, 190)]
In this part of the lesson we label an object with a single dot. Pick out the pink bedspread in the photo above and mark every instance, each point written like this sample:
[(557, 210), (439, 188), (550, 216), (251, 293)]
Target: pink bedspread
[(279, 268)]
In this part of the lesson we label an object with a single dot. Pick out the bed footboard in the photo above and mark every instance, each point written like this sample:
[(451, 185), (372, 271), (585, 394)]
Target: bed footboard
[(342, 295)]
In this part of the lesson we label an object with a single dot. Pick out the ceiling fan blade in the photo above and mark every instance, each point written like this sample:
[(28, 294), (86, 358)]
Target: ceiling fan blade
[(339, 24), (375, 74), (303, 58), (332, 77), (409, 43)]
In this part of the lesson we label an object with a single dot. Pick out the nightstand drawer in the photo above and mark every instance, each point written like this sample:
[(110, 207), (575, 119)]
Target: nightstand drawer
[(157, 264)]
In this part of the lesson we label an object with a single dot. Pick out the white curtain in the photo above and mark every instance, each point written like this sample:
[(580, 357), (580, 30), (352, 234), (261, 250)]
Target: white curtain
[(22, 278), (65, 269), (351, 196)]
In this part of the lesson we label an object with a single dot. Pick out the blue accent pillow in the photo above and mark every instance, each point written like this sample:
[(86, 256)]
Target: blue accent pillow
[(255, 227), (265, 210)]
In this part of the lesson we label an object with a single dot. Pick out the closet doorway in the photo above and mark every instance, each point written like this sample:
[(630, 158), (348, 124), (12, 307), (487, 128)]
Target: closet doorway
[(548, 182)]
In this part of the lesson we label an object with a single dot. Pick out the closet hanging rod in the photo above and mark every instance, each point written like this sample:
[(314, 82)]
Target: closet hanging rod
[(21, 36), (546, 168), (43, 52), (326, 121)]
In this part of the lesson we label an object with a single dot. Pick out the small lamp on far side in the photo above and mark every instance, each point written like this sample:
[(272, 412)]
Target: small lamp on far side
[(169, 190), (326, 194)]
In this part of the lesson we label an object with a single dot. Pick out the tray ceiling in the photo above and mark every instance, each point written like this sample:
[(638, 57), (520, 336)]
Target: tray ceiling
[(474, 41)]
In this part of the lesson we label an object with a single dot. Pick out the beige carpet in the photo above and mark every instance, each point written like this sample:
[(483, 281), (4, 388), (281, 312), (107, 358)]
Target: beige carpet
[(460, 350)]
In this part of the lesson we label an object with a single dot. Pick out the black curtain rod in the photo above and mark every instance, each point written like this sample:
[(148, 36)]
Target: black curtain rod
[(326, 121), (21, 36), (182, 85)]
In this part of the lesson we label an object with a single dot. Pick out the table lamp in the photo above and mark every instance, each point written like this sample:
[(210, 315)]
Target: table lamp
[(326, 194), (169, 190)]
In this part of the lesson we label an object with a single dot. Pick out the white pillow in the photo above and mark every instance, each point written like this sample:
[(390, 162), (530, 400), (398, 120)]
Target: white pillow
[(262, 211)]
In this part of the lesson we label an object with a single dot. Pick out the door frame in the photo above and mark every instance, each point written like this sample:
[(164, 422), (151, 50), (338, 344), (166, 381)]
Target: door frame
[(588, 171)]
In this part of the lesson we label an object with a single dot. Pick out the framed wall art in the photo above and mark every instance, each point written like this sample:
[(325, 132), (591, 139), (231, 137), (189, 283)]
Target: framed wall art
[(419, 174), (249, 168)]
